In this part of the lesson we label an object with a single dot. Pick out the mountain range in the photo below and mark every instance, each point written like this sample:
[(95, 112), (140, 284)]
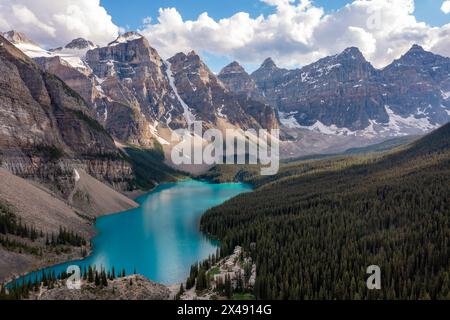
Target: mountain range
[(134, 97), (345, 95), (82, 125), (139, 97)]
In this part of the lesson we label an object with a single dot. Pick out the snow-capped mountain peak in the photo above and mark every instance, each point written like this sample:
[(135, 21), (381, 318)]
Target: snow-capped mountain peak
[(24, 44), (16, 37), (126, 37), (80, 44), (69, 54)]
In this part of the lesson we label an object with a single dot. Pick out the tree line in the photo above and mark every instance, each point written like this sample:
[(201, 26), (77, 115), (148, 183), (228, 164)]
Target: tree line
[(318, 225)]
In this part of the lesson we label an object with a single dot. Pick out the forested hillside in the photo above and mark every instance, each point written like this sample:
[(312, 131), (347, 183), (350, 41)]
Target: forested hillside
[(318, 225)]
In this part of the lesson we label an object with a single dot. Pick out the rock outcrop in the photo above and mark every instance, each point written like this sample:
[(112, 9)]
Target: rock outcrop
[(134, 287), (77, 80), (237, 80)]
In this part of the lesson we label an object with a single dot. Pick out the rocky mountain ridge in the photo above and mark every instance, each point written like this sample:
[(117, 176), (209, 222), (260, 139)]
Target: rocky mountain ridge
[(345, 95), (140, 98), (46, 129)]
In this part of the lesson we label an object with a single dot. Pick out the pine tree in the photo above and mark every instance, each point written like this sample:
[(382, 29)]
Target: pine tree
[(104, 280), (97, 279), (91, 275)]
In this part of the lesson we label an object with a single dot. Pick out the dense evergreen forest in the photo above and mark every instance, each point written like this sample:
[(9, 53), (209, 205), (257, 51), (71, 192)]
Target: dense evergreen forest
[(316, 226)]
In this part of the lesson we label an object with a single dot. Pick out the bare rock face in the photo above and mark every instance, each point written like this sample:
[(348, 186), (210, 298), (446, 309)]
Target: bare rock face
[(80, 44), (134, 93), (78, 81), (418, 83), (335, 90), (134, 287), (267, 78), (132, 76), (237, 80), (17, 37), (345, 91), (46, 128), (209, 100)]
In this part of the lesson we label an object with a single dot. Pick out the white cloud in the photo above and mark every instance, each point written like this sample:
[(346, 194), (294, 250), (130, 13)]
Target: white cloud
[(55, 23), (297, 33), (147, 20), (446, 7), (300, 33)]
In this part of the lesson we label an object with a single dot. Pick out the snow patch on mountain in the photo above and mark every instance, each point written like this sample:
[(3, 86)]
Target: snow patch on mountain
[(445, 95), (33, 51), (188, 115), (168, 115), (154, 131), (446, 110), (329, 130), (398, 124), (127, 37), (76, 175), (72, 57), (288, 120), (220, 112)]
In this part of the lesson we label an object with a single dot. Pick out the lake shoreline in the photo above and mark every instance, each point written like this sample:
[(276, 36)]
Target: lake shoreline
[(61, 260), (234, 190)]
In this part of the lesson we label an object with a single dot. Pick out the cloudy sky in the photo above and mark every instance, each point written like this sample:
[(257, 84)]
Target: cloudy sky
[(292, 32)]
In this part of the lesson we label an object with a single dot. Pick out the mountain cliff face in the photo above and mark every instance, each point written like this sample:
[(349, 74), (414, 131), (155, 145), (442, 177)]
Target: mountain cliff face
[(132, 79), (78, 80), (46, 129), (210, 101), (345, 95), (170, 94), (136, 95), (419, 83), (267, 78), (237, 80), (335, 91), (139, 98)]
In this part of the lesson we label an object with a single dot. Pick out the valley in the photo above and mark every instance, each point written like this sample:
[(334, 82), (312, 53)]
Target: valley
[(87, 176), (314, 228)]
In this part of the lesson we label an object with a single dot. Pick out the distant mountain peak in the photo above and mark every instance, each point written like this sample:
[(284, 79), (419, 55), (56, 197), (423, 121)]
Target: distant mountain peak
[(415, 51), (416, 47), (269, 64), (353, 53), (80, 43), (192, 54), (233, 68), (17, 37), (126, 37), (418, 56)]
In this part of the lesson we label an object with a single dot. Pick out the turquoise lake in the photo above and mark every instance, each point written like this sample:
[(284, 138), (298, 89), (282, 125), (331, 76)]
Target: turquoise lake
[(160, 239)]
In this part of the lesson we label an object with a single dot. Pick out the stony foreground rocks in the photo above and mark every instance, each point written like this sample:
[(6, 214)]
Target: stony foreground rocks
[(133, 287)]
